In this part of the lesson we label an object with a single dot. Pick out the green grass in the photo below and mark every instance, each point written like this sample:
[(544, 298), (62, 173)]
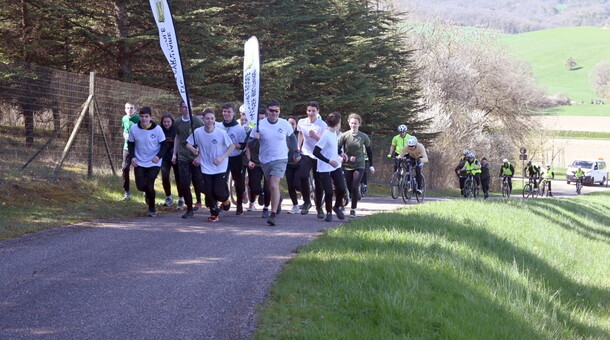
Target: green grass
[(460, 269), (583, 110), (548, 50), (30, 205), (589, 135)]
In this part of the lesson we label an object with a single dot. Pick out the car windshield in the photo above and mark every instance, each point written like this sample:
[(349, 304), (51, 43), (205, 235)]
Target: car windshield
[(583, 164)]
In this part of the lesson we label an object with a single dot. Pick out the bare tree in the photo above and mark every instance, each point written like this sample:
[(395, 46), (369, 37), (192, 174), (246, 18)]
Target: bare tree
[(570, 64), (478, 97), (600, 79)]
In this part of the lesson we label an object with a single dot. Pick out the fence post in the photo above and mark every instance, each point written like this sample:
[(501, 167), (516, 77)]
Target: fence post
[(92, 124)]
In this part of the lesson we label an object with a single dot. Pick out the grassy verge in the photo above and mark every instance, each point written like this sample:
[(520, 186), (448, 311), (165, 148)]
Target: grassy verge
[(28, 205), (460, 269)]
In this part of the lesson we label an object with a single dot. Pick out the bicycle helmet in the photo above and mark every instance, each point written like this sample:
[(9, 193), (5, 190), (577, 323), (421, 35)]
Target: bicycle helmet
[(529, 163), (242, 109), (470, 155), (466, 152), (412, 141), (579, 167), (505, 160), (402, 128), (548, 167)]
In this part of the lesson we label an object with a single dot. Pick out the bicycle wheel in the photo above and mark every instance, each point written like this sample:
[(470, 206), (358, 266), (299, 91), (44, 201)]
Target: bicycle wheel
[(467, 187), (418, 196), (578, 187), (362, 190), (541, 189), (527, 190), (504, 189), (395, 186), (475, 189), (233, 192), (406, 190)]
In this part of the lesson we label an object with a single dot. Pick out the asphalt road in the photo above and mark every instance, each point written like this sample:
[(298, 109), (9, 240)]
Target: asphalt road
[(155, 278), (148, 278)]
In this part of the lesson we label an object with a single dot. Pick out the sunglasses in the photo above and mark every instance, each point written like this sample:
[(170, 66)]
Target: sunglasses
[(273, 111)]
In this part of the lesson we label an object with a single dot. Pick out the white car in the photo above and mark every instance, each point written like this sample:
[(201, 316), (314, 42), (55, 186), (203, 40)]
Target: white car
[(595, 171)]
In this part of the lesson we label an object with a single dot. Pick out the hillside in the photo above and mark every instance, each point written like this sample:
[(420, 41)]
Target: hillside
[(548, 50), (515, 16)]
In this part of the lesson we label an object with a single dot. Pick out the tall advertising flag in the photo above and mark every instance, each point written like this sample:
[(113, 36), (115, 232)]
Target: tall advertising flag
[(169, 44), (251, 79)]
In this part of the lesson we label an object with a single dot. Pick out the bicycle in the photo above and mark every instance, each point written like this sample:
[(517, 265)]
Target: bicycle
[(233, 192), (396, 181), (578, 185), (470, 186), (505, 187), (409, 182), (531, 189), (543, 190)]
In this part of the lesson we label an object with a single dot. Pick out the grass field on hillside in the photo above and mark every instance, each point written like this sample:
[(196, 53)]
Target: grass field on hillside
[(548, 50), (584, 110), (459, 269), (578, 134)]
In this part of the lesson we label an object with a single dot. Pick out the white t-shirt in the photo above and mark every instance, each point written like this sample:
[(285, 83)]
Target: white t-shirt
[(272, 140), (147, 144), (237, 133), (211, 146), (328, 144), (319, 126)]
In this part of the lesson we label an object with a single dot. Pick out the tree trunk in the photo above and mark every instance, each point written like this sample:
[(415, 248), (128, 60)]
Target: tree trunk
[(27, 106), (123, 56)]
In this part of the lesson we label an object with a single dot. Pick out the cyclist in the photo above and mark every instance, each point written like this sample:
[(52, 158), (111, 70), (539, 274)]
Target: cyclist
[(548, 176), (415, 151), (579, 175), (533, 172), (485, 177), (459, 172), (472, 166), (507, 170), (398, 143)]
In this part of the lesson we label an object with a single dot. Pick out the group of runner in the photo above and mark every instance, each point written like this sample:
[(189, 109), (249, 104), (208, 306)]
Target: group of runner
[(203, 152)]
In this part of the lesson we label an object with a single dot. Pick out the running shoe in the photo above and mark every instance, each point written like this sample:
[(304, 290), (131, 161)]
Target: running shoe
[(169, 201), (295, 210)]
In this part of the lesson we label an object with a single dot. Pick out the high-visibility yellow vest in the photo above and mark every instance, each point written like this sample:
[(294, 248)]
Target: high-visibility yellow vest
[(506, 170), (548, 176), (474, 167)]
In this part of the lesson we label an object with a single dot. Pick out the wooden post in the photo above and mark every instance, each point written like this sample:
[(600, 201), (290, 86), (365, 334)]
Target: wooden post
[(92, 124)]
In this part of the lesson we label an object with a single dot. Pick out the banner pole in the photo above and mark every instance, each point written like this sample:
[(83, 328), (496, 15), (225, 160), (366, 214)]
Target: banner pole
[(168, 39)]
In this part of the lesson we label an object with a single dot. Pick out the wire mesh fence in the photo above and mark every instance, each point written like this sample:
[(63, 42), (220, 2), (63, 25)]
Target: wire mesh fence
[(39, 111)]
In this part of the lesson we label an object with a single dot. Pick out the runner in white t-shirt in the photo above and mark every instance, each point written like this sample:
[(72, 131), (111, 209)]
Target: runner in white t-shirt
[(329, 167), (310, 128), (214, 148), (236, 161), (271, 134), (146, 145)]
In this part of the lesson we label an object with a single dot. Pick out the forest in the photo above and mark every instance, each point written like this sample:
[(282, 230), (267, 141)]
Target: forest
[(351, 56)]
